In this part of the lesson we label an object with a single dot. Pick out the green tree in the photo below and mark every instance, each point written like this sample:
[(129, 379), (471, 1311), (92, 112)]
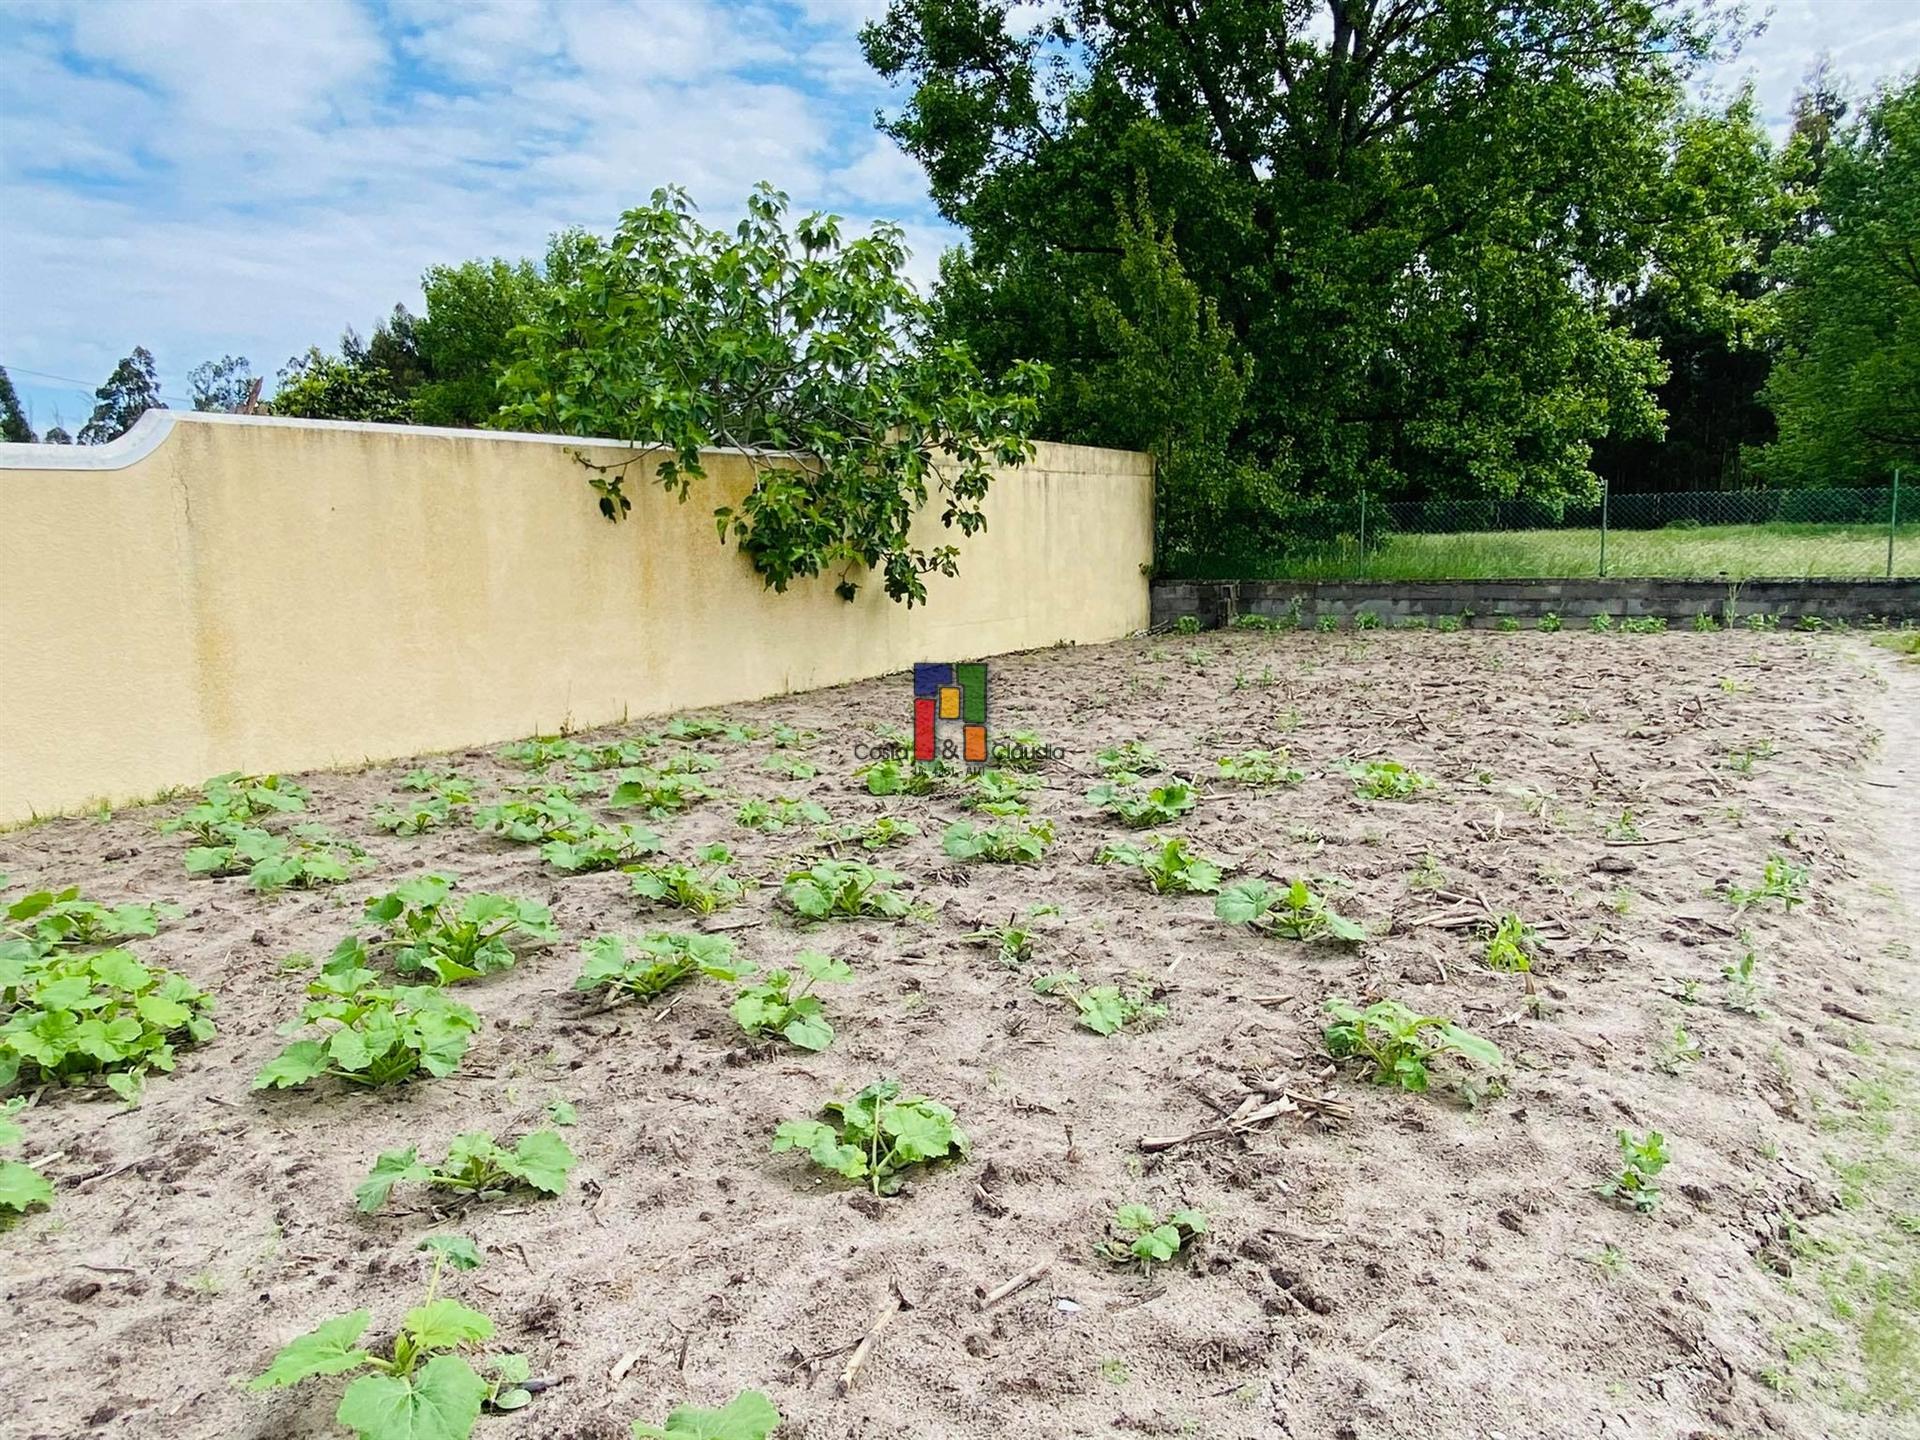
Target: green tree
[(1413, 214), (57, 436), (463, 339), (221, 385), (1846, 388), (131, 390), (318, 386), (1705, 299), (13, 420), (810, 352)]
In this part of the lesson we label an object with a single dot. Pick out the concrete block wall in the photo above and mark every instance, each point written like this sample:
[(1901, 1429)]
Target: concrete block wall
[(1482, 603)]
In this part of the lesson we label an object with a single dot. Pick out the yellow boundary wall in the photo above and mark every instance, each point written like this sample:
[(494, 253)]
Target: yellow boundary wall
[(214, 593)]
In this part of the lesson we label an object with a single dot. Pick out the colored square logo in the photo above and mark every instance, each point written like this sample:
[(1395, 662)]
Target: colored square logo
[(950, 712)]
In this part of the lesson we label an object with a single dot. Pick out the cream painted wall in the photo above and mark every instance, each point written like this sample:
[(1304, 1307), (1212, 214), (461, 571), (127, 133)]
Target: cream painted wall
[(217, 593)]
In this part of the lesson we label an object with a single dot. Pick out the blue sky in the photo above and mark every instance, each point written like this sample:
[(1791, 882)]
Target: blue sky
[(243, 176)]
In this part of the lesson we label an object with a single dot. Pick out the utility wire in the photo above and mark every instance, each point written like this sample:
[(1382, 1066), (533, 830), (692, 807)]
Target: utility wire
[(80, 384)]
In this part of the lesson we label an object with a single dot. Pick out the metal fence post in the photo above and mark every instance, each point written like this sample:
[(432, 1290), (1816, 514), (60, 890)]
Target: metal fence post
[(1363, 536), (1606, 492), (1893, 520)]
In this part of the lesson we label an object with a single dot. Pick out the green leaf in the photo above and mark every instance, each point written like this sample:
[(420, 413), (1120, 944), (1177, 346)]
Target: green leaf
[(809, 1031), (390, 1169), (300, 1062), (445, 1325), (328, 1349), (543, 1160), (458, 1251), (748, 1416), (439, 1402), (21, 1186)]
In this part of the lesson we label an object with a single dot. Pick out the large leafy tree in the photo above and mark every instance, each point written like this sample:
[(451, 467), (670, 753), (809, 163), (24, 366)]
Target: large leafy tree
[(221, 385), (809, 351), (1413, 214), (14, 426), (131, 390), (1846, 388)]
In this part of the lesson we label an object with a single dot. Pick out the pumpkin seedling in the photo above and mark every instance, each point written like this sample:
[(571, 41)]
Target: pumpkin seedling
[(1142, 1237)]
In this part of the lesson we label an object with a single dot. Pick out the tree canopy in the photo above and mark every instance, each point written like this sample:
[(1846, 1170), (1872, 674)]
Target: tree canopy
[(131, 390), (1413, 217), (809, 351), (1846, 388)]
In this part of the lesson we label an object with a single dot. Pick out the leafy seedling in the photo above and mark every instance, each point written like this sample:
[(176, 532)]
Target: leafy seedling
[(475, 1167), (1105, 1009), (781, 1002), (371, 1034), (657, 793), (1170, 867), (234, 799), (21, 1186), (45, 921), (1133, 806), (1679, 1051), (305, 858), (700, 888), (423, 1388), (1291, 910), (878, 833), (1398, 1046), (1511, 945), (1386, 780), (604, 847), (1008, 843), (696, 728), (1130, 758), (540, 751), (426, 933), (414, 816), (1641, 1160), (1744, 986), (877, 1136), (844, 890), (646, 966), (1258, 768), (1000, 792), (780, 814), (748, 1416), (900, 777), (1014, 942), (1779, 880), (1023, 750), (551, 814), (1139, 1236), (74, 1014)]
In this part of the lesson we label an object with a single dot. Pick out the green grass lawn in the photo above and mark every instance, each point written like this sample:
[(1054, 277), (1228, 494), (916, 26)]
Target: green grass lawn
[(1710, 552)]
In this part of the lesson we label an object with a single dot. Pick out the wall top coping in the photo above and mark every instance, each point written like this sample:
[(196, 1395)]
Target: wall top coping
[(150, 431)]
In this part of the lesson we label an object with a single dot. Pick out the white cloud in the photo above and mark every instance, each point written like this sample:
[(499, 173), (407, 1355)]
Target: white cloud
[(1868, 40)]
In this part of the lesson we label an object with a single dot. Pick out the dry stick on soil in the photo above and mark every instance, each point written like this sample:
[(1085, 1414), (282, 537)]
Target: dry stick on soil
[(895, 1303), (987, 1299)]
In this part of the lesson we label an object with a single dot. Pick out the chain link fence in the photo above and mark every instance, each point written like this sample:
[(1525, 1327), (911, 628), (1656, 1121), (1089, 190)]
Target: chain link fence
[(1679, 535)]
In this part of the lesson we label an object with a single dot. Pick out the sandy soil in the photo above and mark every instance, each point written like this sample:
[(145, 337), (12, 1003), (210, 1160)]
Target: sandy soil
[(1423, 1268)]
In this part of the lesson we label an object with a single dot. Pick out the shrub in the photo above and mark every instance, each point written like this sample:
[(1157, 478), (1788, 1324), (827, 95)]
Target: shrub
[(1549, 623)]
